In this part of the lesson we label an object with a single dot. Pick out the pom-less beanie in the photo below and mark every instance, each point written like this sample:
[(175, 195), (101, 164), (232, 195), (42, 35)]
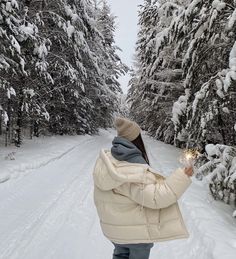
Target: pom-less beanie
[(127, 129)]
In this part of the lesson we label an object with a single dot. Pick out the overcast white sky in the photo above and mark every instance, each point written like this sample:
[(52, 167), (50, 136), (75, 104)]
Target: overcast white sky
[(126, 33)]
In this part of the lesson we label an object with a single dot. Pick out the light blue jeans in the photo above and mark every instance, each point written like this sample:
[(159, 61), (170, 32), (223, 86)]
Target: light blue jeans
[(132, 251)]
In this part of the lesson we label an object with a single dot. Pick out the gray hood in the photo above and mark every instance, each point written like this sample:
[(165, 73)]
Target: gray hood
[(124, 150)]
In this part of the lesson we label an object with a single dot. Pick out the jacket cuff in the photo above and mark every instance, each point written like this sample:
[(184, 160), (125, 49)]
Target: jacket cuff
[(178, 182)]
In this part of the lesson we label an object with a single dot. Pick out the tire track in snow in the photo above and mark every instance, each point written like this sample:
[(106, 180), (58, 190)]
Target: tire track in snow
[(44, 224), (84, 218), (84, 226), (28, 168), (33, 218), (9, 186)]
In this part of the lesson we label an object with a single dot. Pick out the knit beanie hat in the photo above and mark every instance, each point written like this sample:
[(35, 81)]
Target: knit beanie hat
[(127, 129)]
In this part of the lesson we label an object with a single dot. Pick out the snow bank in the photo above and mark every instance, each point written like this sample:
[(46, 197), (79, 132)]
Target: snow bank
[(36, 153)]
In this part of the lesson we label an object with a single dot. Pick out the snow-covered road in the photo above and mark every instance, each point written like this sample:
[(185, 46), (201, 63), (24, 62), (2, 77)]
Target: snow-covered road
[(49, 212)]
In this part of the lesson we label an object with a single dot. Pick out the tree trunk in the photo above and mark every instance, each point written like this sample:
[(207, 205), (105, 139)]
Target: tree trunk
[(221, 125), (19, 118), (36, 129)]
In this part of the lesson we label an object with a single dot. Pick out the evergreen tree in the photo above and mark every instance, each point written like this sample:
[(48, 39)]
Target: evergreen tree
[(206, 43), (19, 66), (110, 64), (200, 42), (65, 65), (182, 53), (159, 75), (138, 84)]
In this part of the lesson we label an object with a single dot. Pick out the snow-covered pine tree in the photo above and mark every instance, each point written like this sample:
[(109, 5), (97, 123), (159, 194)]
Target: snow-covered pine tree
[(18, 67), (205, 36), (65, 73), (221, 164), (110, 65), (206, 39), (64, 25), (202, 36), (139, 88), (165, 73), (159, 75), (90, 70), (196, 36)]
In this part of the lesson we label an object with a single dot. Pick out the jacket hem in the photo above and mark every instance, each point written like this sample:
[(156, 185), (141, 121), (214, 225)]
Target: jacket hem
[(155, 240)]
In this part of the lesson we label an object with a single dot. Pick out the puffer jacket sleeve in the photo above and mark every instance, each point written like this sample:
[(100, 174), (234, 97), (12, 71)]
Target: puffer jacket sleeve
[(162, 194)]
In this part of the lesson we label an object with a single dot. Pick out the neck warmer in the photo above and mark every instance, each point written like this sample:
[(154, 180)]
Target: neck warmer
[(124, 150)]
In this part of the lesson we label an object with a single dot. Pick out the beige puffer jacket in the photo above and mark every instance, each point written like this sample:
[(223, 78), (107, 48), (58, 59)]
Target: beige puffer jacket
[(135, 204)]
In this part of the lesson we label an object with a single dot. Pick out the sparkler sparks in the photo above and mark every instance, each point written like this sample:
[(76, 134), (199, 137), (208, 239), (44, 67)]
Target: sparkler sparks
[(189, 156)]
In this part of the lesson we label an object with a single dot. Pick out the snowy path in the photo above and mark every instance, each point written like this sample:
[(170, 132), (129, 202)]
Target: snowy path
[(49, 212)]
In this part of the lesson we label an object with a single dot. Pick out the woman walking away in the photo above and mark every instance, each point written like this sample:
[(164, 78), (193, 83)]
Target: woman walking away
[(136, 205)]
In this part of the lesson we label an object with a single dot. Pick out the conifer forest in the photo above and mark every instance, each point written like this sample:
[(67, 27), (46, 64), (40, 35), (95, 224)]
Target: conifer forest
[(60, 80)]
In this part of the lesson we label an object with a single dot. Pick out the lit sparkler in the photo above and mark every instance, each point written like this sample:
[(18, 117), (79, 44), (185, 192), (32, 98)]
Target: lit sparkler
[(189, 157)]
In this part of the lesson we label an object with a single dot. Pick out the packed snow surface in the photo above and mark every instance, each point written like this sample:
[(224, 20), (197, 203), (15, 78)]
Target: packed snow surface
[(47, 210)]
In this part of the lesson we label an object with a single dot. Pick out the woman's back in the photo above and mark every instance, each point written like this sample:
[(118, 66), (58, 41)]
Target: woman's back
[(127, 197), (136, 205)]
